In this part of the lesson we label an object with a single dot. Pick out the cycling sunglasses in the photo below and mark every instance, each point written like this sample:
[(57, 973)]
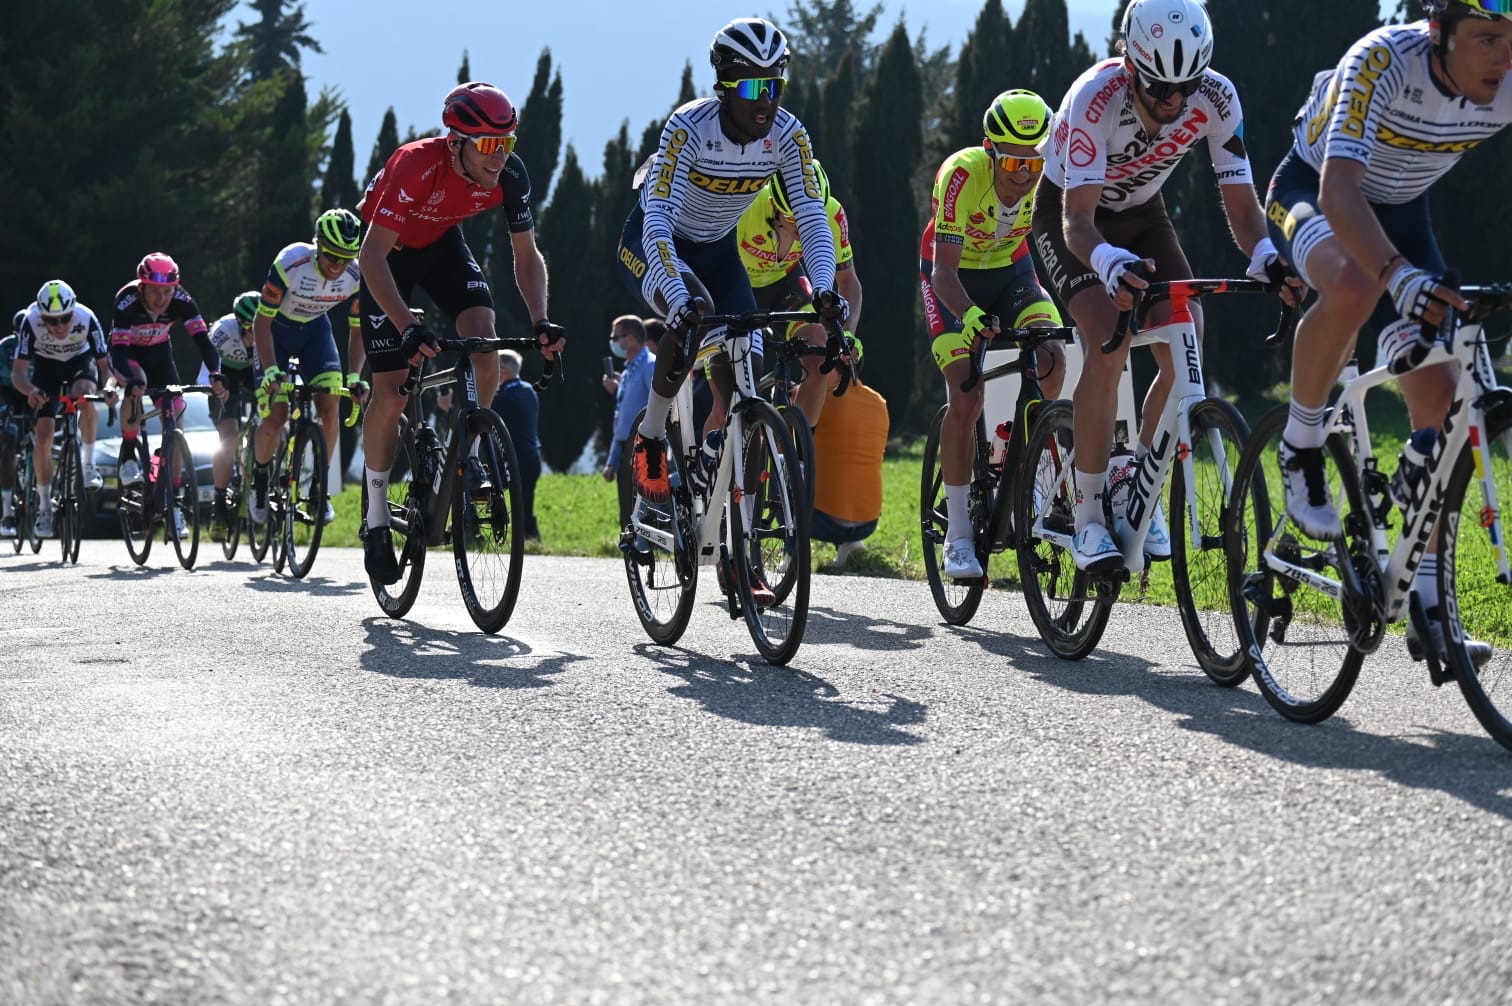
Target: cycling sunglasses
[(1013, 165), (162, 279), (489, 144), (52, 320), (752, 88), (1160, 90)]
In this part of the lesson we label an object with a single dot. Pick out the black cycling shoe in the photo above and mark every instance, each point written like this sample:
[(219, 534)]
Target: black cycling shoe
[(378, 555)]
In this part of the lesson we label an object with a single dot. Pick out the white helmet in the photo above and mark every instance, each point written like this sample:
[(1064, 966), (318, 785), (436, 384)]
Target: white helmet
[(749, 41), (1168, 40), (55, 299)]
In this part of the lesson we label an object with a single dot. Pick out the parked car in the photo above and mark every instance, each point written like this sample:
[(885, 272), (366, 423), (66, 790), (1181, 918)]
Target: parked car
[(203, 439)]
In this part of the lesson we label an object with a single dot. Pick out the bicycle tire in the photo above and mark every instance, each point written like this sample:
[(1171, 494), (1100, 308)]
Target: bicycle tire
[(773, 536), (134, 505), (259, 536), (803, 449), (33, 497), (1296, 639), (1199, 568), (488, 533), (1474, 600), (278, 502), (18, 500), (70, 500), (304, 514), (183, 498), (1069, 608), (230, 500), (957, 600), (663, 583), (406, 506)]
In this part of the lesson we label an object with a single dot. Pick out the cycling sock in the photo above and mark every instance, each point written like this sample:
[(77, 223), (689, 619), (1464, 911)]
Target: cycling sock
[(377, 500), (1426, 581), (958, 511), (6, 495), (44, 492), (1089, 497), (86, 452), (1304, 426), (655, 423)]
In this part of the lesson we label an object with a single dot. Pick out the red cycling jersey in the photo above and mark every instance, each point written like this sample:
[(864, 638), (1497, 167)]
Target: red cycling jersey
[(418, 195)]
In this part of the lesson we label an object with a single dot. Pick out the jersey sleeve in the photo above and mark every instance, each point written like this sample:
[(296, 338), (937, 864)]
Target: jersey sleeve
[(1225, 137), (274, 289), (98, 346), (665, 190), (515, 182), (1369, 77), (811, 215), (385, 202), (25, 339), (950, 214), (840, 232), (1086, 146)]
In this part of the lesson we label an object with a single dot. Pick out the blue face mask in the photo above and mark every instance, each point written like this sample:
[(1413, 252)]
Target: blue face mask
[(617, 348)]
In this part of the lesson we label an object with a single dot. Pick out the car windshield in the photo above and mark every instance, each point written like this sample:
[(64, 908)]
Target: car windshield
[(196, 417)]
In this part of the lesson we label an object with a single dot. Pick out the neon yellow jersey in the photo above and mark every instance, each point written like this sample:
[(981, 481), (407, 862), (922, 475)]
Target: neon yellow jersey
[(758, 241), (966, 211)]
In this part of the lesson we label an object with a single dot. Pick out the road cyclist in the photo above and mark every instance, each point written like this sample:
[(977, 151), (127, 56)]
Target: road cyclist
[(14, 413), (235, 393)]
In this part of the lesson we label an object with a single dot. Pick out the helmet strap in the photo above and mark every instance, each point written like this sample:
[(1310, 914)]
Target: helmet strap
[(456, 142)]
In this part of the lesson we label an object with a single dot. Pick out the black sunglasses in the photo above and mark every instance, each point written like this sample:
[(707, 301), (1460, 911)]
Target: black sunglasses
[(1160, 90)]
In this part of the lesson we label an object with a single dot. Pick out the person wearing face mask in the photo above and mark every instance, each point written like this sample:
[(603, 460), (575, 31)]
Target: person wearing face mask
[(630, 388)]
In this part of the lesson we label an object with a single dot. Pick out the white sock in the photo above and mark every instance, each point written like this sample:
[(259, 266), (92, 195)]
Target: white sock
[(1304, 426), (654, 425), (6, 496), (1426, 581), (44, 490), (86, 453), (377, 500), (958, 511), (1090, 487)]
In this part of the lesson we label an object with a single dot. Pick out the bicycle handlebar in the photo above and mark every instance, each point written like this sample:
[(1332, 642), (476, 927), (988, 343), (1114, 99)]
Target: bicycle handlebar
[(834, 349), (1028, 340), (485, 345), (1183, 289)]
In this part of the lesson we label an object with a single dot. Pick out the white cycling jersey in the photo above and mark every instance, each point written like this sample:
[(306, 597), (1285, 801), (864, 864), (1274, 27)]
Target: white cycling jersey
[(225, 336), (296, 289), (1381, 107), (1097, 138), (35, 340), (700, 182)]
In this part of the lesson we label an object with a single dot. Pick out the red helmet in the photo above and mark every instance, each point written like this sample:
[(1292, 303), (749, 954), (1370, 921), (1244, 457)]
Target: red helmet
[(479, 110), (157, 269)]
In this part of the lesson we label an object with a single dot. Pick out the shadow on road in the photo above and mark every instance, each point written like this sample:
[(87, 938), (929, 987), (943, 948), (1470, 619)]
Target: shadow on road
[(828, 625), (128, 568), (406, 650), (316, 585), (759, 694)]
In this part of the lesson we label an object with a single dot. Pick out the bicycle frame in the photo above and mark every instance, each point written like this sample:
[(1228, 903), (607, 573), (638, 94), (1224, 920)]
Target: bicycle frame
[(158, 501), (438, 501)]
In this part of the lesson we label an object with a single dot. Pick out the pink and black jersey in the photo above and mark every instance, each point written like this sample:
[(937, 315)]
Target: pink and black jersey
[(418, 195), (133, 329)]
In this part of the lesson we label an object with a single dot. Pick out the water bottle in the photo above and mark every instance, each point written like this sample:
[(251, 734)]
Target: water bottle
[(155, 463), (997, 448), (1412, 471)]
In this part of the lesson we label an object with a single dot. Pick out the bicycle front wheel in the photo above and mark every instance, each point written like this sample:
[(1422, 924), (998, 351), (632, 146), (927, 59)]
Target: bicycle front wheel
[(33, 497), (406, 507), (134, 507), (230, 504), (803, 451), (770, 531), (22, 511), (69, 511), (259, 536), (663, 581), (183, 499), (488, 536), (1070, 609), (957, 600), (304, 510), (1199, 563), (1295, 637), (1477, 602)]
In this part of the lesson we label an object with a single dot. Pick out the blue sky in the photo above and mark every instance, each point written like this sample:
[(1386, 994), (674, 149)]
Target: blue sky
[(614, 64)]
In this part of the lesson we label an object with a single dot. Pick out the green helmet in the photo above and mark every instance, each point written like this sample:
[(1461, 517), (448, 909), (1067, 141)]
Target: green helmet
[(245, 307), (1017, 116), (338, 232), (780, 194)]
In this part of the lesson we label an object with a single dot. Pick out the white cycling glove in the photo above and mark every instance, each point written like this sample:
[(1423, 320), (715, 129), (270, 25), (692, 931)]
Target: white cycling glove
[(1411, 290), (1261, 260), (1111, 263), (684, 314)]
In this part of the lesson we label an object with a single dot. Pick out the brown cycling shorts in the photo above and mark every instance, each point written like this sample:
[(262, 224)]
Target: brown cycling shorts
[(1145, 230)]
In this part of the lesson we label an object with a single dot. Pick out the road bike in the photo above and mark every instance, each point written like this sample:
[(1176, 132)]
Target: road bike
[(786, 356), (68, 473), (1309, 611), (298, 490), (28, 499), (993, 494), (1195, 445), (465, 493), (237, 496), (750, 518), (168, 495)]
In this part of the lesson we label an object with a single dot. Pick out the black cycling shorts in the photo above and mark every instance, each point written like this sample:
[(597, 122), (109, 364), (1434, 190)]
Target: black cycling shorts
[(446, 270)]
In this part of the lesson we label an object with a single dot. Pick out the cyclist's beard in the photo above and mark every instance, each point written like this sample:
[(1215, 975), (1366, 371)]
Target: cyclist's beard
[(1160, 112)]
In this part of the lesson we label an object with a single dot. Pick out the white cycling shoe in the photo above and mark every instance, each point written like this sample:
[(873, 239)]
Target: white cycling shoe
[(1094, 548), (1308, 502), (1480, 652), (1157, 543), (961, 560), (92, 478)]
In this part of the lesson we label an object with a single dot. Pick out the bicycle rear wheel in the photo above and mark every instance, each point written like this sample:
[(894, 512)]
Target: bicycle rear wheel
[(488, 536), (1070, 609), (183, 498), (769, 529), (1295, 637), (803, 450), (259, 536), (230, 500), (1199, 563), (33, 497), (69, 509), (304, 512), (662, 581), (278, 503), (406, 507), (22, 512), (1477, 605), (133, 507), (957, 600)]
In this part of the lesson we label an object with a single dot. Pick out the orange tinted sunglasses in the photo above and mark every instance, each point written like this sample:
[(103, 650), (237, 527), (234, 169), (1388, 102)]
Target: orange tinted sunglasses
[(1013, 165), (489, 144)]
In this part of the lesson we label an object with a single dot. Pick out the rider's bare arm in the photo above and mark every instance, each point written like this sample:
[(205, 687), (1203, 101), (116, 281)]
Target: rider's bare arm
[(377, 276)]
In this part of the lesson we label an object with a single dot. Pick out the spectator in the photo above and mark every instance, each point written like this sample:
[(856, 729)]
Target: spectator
[(848, 445), (627, 340), (517, 405), (654, 329)]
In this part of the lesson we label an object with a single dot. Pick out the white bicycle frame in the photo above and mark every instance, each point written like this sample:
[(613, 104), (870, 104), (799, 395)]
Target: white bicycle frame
[(1465, 424)]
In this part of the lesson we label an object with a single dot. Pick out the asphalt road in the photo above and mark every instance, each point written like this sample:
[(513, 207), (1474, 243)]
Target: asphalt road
[(225, 787)]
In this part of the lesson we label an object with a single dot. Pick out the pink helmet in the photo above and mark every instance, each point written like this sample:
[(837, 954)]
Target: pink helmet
[(476, 109), (158, 269)]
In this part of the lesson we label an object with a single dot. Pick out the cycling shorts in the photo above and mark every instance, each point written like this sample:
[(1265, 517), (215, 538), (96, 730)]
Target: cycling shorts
[(1145, 230), (311, 343), (787, 294), (243, 385), (156, 363), (1013, 293), (446, 270), (49, 376)]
